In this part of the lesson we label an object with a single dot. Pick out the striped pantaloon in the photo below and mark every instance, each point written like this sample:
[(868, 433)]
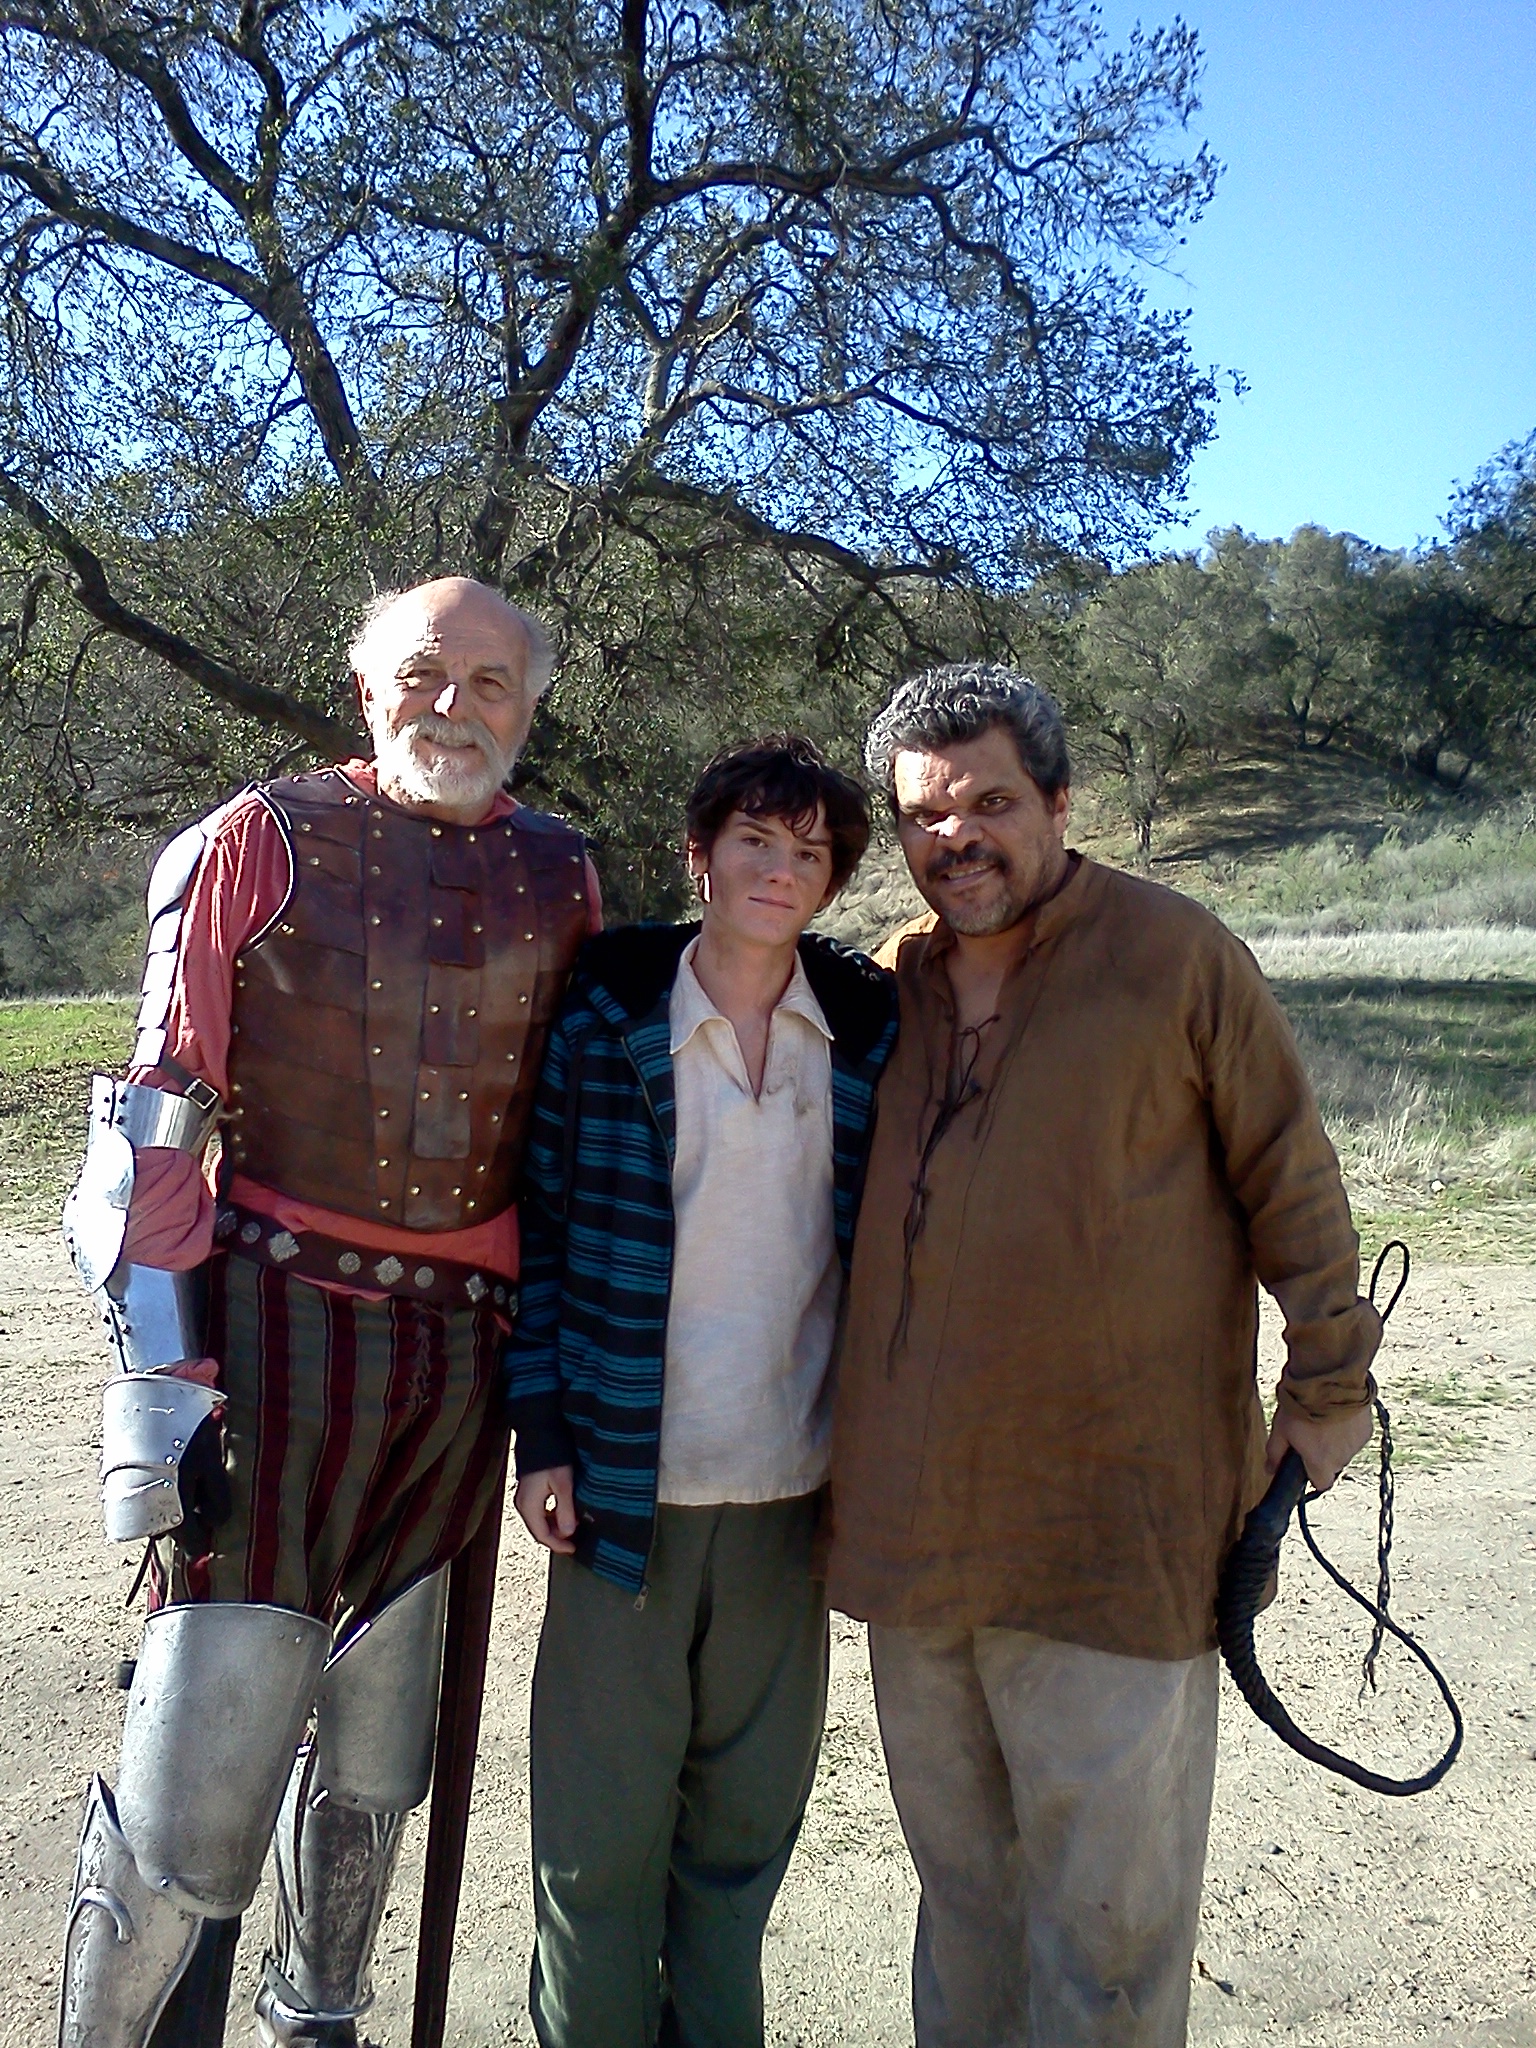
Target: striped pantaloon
[(362, 1440)]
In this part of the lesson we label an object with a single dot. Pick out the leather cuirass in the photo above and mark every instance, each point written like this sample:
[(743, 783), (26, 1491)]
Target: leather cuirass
[(388, 1024)]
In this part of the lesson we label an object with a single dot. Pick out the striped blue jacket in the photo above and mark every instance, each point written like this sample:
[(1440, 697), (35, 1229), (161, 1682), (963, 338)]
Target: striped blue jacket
[(585, 1363)]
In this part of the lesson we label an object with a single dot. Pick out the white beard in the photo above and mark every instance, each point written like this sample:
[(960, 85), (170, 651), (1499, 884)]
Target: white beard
[(469, 770)]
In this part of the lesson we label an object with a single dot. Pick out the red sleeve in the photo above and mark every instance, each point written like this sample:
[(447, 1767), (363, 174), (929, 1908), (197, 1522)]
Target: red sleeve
[(594, 900), (239, 886)]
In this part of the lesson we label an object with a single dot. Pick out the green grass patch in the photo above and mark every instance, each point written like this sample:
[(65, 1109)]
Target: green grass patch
[(1404, 877), (39, 1036), (1471, 1045), (48, 1052), (1429, 1092)]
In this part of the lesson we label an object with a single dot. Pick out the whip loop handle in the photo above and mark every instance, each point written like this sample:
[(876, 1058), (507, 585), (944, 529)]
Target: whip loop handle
[(1246, 1575)]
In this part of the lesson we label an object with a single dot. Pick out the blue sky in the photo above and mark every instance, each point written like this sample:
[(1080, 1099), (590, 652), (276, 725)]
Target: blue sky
[(1369, 262)]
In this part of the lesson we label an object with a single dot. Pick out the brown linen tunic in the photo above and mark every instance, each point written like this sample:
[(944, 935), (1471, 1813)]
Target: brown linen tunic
[(1064, 1431)]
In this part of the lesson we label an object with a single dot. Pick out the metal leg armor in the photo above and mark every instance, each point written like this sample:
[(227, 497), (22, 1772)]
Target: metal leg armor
[(127, 1944), (370, 1763), (219, 1701)]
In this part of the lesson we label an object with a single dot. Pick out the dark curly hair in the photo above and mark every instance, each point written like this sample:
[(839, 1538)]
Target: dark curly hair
[(782, 776), (960, 702)]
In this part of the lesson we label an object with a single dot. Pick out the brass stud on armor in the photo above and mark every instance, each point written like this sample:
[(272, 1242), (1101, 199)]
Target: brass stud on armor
[(436, 922), (306, 828), (522, 888), (426, 1094), (528, 937), (470, 1205), (472, 839), (286, 930), (377, 1050), (580, 896), (522, 999), (477, 927), (383, 1162), (383, 1112), (463, 1095), (415, 1191), (384, 1205), (458, 1191), (375, 984), (471, 1013), (433, 1008), (375, 919), (437, 831), (314, 860), (495, 1116), (373, 871)]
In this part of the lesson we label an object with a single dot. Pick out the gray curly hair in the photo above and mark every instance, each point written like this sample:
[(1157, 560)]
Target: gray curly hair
[(538, 672), (960, 701)]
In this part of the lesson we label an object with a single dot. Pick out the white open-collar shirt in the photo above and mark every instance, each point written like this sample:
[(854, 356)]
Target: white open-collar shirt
[(746, 1404)]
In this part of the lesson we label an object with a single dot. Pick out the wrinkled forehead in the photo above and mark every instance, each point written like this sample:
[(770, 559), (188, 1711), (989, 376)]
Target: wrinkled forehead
[(957, 772), (451, 630)]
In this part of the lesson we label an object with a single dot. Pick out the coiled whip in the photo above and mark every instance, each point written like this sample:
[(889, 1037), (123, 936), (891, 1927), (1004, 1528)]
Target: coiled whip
[(1246, 1575)]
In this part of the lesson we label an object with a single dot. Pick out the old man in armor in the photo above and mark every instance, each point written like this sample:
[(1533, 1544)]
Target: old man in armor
[(351, 973)]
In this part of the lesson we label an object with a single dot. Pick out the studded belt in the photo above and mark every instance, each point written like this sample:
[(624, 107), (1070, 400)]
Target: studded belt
[(311, 1255)]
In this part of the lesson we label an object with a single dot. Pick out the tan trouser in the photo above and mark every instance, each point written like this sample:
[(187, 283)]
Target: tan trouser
[(1056, 1802)]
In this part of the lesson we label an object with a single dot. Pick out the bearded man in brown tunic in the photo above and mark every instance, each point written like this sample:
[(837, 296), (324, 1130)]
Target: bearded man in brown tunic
[(351, 972), (1095, 1141)]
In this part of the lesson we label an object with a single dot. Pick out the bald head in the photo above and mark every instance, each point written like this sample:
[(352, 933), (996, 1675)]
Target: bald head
[(448, 675), (454, 604)]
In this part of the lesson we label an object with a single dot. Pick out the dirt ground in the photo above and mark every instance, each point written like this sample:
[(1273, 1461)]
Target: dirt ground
[(1331, 1917)]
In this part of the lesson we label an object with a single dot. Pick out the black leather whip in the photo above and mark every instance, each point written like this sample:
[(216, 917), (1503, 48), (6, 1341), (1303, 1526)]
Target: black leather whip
[(1246, 1575)]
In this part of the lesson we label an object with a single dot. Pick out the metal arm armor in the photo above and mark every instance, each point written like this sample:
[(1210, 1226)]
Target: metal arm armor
[(152, 1318), (147, 1422), (124, 1116)]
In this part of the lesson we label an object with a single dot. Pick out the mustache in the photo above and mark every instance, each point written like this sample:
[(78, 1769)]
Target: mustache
[(457, 733), (947, 859)]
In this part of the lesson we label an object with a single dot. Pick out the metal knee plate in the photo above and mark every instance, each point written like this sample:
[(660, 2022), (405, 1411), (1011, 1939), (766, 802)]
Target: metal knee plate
[(376, 1713), (219, 1703)]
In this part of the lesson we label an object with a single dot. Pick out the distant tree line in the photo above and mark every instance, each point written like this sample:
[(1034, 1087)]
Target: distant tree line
[(1422, 661)]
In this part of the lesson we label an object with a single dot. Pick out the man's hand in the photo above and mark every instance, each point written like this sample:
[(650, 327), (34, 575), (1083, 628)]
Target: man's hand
[(1325, 1447), (547, 1503)]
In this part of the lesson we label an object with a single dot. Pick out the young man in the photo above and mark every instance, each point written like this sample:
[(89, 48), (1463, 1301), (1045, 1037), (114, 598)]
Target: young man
[(1095, 1135), (692, 1180)]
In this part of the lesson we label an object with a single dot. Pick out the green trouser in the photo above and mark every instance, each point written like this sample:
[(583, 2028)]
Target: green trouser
[(674, 1746)]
